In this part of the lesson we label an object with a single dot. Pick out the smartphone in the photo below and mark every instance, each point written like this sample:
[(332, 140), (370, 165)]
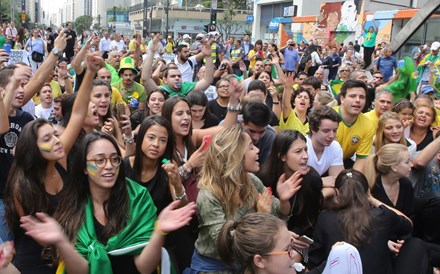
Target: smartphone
[(306, 239), (120, 110), (222, 66), (8, 48), (206, 140)]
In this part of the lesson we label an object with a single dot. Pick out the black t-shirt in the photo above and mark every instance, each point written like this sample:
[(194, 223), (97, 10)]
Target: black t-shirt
[(8, 142), (210, 121), (50, 46), (217, 110), (375, 255), (70, 43), (78, 79)]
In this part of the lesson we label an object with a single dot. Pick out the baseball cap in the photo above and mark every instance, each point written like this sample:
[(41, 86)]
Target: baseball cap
[(435, 45), (186, 36), (427, 89), (200, 36)]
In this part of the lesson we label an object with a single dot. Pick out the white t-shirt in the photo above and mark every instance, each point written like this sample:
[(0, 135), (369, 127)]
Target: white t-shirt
[(332, 156), (41, 112), (120, 45), (186, 69)]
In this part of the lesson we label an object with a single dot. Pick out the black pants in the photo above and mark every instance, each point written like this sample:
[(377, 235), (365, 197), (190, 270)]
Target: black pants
[(367, 55), (413, 258)]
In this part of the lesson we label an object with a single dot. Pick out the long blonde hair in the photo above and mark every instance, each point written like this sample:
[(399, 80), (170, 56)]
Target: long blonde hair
[(223, 171), (381, 162), (380, 137)]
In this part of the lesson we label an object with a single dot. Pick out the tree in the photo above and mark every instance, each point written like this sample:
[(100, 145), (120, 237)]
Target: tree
[(227, 26), (83, 23)]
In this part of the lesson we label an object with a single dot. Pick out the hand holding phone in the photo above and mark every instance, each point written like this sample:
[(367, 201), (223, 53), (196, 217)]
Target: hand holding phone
[(306, 239), (120, 110), (206, 141)]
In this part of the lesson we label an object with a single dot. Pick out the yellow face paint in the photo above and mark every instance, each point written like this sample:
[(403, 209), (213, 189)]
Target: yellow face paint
[(45, 148), (91, 169)]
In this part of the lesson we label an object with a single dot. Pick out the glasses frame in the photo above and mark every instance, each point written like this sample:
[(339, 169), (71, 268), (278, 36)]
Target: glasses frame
[(105, 161)]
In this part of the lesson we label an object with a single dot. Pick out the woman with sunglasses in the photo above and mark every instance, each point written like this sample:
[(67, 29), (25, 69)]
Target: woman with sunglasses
[(261, 244), (39, 175), (105, 223)]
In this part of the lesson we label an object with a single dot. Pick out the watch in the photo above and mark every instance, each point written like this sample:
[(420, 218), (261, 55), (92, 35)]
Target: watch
[(56, 52)]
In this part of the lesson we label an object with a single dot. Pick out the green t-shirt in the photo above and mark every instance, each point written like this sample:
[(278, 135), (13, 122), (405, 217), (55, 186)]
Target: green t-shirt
[(132, 96), (114, 73), (184, 89), (370, 39)]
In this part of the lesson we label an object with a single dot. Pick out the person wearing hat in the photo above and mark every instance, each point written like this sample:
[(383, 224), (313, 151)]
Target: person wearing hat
[(132, 93), (196, 47), (428, 66), (186, 40), (170, 45), (174, 85)]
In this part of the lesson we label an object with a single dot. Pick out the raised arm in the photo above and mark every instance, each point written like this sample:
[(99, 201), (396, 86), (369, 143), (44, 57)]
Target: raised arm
[(281, 78), (203, 84), (427, 154), (287, 96), (43, 73), (81, 105), (77, 62), (149, 83)]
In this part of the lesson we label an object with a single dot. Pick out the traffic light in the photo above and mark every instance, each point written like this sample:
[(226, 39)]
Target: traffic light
[(206, 28), (213, 22)]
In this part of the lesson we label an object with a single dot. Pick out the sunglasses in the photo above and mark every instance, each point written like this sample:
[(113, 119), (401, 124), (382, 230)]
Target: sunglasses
[(378, 77)]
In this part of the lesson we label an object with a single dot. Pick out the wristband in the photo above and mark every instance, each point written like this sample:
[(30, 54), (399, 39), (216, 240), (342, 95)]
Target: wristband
[(181, 196), (157, 228), (232, 108)]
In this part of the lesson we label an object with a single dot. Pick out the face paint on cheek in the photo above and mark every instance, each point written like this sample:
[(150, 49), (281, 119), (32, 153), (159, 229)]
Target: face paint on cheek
[(91, 169), (45, 148)]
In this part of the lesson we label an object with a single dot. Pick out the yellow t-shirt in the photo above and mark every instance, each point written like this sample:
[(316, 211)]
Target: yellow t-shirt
[(56, 91), (294, 123), (437, 118), (116, 97), (356, 138), (253, 61), (373, 117)]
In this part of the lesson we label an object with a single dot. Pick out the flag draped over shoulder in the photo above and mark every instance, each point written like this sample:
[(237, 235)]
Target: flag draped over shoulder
[(335, 86), (138, 230)]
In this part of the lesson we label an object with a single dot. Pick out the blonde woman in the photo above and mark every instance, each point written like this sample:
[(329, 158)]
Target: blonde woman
[(228, 191), (387, 173), (324, 98)]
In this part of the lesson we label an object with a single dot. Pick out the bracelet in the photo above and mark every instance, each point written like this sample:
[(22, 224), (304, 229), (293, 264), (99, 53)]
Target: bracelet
[(181, 196), (128, 140), (232, 108), (182, 172), (157, 228), (188, 168), (276, 103)]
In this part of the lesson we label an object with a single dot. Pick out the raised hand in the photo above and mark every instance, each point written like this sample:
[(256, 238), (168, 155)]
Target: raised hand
[(43, 229), (60, 41), (265, 200), (171, 219), (287, 188), (173, 173), (94, 61)]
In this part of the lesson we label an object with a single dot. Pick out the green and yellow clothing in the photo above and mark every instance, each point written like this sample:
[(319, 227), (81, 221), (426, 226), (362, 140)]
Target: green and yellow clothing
[(294, 123), (114, 73), (356, 138), (135, 93), (183, 92), (373, 117)]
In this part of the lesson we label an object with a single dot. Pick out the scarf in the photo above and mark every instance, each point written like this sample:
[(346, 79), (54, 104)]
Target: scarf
[(138, 230)]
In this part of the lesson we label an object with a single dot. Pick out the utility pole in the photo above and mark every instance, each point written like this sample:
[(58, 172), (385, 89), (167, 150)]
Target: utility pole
[(167, 11), (145, 19)]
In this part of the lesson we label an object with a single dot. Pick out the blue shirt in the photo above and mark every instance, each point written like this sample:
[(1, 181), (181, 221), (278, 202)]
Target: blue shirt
[(386, 65), (291, 58), (35, 45)]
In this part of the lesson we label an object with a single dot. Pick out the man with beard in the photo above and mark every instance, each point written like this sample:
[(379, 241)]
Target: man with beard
[(355, 132), (113, 62), (172, 77), (132, 93), (44, 109), (187, 64)]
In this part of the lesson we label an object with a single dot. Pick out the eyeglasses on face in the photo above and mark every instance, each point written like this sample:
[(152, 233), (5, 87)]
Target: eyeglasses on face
[(290, 252), (341, 70), (224, 86), (115, 160)]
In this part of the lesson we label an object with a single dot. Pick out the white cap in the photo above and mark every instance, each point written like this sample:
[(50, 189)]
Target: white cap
[(186, 36), (435, 46), (200, 36)]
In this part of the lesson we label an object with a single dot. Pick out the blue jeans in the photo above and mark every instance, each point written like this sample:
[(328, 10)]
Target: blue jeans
[(5, 233)]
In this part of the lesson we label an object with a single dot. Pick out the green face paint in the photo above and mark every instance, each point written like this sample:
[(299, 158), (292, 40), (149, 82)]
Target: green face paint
[(91, 169), (45, 148)]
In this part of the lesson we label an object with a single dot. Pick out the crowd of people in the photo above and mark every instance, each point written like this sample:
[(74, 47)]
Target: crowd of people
[(229, 158)]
